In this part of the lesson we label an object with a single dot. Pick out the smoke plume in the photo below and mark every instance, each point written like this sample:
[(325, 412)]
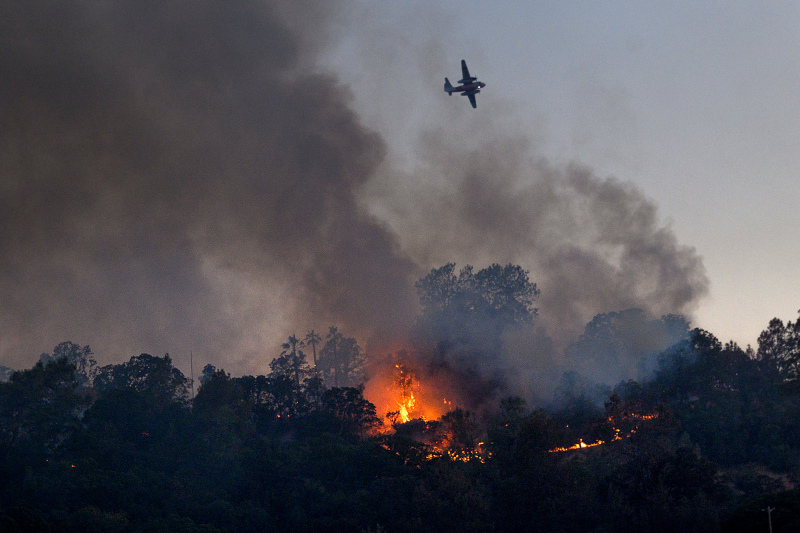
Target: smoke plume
[(180, 176), (175, 176)]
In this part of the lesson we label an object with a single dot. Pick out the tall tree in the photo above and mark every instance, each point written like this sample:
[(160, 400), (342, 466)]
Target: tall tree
[(295, 355), (40, 407), (330, 352), (313, 338), (624, 345), (470, 311), (79, 356), (341, 360), (779, 349), (284, 380)]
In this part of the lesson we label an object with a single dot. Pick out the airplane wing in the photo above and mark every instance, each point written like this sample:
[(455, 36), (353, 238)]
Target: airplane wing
[(472, 101), (465, 77)]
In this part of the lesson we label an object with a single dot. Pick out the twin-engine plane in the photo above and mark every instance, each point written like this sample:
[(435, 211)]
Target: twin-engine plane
[(470, 86)]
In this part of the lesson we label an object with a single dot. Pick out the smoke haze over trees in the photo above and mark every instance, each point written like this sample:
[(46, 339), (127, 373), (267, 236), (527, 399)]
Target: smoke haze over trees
[(184, 176), (705, 445)]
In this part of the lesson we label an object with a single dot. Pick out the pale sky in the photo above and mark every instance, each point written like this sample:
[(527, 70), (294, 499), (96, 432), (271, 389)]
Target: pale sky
[(695, 103)]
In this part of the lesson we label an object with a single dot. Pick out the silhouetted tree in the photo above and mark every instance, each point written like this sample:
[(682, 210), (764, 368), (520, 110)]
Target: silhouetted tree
[(79, 356), (779, 349), (296, 358), (624, 345), (146, 373), (330, 354), (284, 382), (207, 373), (217, 392), (468, 312), (40, 407), (341, 360), (313, 338), (355, 414)]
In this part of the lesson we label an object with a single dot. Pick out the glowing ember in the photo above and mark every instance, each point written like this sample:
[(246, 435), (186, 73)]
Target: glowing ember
[(617, 434), (580, 445)]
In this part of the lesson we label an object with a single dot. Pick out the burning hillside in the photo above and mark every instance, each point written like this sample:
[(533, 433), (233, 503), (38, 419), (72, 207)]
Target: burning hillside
[(621, 428)]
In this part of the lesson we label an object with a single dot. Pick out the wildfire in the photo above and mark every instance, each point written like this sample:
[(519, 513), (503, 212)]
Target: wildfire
[(617, 434), (401, 396), (415, 410), (406, 381)]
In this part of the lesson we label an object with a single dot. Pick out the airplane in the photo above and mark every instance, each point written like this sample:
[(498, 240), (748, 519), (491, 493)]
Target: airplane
[(470, 85)]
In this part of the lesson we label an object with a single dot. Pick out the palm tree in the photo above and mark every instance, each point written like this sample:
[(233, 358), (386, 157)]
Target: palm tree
[(313, 338), (292, 344)]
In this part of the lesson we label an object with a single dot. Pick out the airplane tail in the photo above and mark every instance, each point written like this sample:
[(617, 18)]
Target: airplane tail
[(447, 87)]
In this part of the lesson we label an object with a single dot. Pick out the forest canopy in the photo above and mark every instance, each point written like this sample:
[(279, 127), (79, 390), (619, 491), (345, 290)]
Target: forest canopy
[(709, 438)]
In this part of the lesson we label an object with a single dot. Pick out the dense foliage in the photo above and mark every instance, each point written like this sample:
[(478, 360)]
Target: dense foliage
[(706, 444)]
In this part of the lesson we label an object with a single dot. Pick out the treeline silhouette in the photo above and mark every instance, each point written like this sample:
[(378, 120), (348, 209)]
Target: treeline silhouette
[(706, 443)]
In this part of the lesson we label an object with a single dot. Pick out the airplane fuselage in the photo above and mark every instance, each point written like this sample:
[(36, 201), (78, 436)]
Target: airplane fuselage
[(475, 86), (470, 86)]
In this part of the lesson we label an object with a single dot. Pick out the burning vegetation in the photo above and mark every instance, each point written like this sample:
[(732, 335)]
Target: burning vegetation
[(285, 452), (422, 425), (621, 428), (406, 383)]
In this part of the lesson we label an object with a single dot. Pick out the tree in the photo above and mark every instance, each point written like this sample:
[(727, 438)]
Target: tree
[(208, 372), (624, 345), (217, 392), (330, 353), (779, 349), (284, 379), (687, 368), (146, 373), (503, 293), (460, 432), (313, 338), (40, 407), (296, 358), (355, 414), (341, 360), (79, 356), (470, 311)]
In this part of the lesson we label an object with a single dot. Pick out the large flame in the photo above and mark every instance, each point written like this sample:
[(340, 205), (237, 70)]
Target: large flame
[(401, 395), (406, 382), (414, 403)]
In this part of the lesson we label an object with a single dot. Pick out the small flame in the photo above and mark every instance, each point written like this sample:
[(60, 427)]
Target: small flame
[(617, 434)]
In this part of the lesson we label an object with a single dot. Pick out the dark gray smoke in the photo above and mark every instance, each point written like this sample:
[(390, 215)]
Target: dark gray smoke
[(173, 177), (180, 176)]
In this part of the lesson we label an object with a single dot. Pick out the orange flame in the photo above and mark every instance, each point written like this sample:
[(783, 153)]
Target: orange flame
[(617, 435), (401, 396), (406, 381)]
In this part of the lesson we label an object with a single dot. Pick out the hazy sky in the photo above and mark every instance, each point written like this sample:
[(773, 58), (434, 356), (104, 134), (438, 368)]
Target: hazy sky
[(695, 103), (211, 177)]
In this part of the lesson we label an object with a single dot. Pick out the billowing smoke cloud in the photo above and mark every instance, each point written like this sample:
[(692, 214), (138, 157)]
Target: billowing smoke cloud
[(591, 244), (180, 176), (175, 177)]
